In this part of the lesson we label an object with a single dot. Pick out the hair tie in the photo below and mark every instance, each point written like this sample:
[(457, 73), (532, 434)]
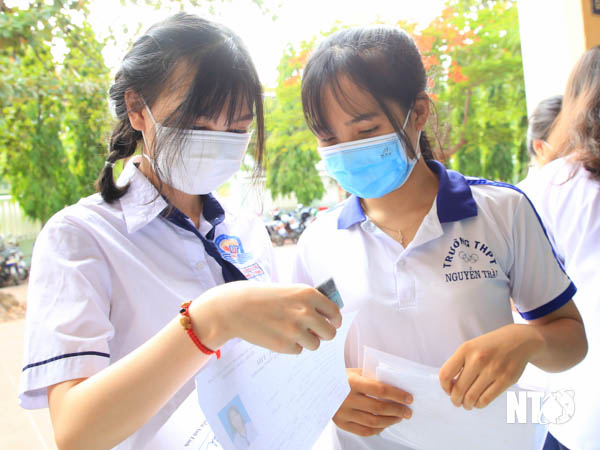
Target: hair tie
[(109, 164)]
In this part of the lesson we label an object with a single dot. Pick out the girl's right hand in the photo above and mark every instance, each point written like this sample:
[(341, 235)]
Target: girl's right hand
[(371, 406), (282, 318)]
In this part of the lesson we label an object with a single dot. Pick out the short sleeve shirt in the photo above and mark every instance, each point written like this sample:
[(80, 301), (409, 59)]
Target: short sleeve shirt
[(105, 278), (479, 245), (568, 200)]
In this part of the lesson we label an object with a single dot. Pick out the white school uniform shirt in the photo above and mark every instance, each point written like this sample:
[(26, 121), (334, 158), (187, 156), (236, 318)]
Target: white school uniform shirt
[(105, 278), (480, 244), (568, 201)]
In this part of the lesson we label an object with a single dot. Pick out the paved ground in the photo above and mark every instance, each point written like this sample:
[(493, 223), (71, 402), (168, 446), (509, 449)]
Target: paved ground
[(31, 430), (19, 429)]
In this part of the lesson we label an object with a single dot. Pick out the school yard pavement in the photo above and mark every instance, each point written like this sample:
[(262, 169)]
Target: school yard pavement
[(20, 429)]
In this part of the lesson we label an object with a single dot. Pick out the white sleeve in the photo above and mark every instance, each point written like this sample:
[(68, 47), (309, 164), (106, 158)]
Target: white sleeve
[(68, 326), (263, 250), (273, 269), (539, 284), (300, 268)]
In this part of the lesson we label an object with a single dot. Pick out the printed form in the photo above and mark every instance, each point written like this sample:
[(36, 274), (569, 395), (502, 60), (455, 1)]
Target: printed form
[(253, 398)]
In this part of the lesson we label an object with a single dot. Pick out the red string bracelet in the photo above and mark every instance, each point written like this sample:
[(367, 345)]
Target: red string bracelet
[(186, 323)]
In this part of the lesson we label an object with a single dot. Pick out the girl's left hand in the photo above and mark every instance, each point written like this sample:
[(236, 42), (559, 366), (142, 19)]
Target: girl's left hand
[(484, 367)]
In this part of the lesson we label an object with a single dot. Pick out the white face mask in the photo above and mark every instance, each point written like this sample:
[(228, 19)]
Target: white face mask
[(207, 159)]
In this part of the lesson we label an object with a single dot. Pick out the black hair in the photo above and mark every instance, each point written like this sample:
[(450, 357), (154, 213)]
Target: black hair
[(220, 74), (384, 61), (541, 121)]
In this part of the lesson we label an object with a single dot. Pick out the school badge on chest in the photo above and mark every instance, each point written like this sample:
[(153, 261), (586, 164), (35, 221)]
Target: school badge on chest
[(232, 250)]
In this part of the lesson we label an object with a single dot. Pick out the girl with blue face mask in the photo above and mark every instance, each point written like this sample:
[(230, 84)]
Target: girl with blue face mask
[(109, 347), (428, 258)]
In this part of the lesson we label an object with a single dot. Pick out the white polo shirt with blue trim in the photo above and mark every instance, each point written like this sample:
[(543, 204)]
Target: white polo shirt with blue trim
[(479, 245), (105, 278), (568, 200)]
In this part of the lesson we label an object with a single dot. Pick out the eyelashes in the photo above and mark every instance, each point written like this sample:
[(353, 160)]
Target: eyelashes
[(370, 130), (360, 132), (238, 130)]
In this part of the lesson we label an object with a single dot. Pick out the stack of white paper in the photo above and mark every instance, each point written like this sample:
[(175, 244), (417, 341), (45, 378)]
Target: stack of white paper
[(436, 423)]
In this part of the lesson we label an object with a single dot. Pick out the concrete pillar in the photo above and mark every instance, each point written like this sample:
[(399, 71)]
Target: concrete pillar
[(554, 34)]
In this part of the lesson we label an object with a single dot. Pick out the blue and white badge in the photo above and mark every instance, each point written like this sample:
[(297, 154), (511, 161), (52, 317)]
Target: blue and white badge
[(232, 250)]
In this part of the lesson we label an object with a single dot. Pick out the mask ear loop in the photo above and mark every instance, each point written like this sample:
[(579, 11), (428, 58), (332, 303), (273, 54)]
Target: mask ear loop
[(418, 146), (146, 146)]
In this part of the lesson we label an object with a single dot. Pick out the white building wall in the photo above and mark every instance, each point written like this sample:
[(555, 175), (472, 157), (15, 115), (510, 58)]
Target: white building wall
[(552, 39)]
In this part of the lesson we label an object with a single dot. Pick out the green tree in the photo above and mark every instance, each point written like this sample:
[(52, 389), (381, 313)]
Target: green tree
[(54, 109), (291, 152), (53, 98), (472, 52)]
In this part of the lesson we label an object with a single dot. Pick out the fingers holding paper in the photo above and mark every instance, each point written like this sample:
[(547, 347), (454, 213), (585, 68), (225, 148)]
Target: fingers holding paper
[(282, 318), (371, 406)]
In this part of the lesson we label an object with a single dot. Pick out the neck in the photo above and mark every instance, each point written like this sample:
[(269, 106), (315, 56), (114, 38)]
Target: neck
[(417, 193), (405, 208), (189, 204)]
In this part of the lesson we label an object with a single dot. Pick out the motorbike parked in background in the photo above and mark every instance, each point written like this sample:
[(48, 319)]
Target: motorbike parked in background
[(289, 225), (306, 214), (13, 267), (276, 229)]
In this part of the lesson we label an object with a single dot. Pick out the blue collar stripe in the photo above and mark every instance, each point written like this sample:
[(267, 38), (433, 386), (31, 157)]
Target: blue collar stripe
[(212, 210), (454, 199), (214, 213), (351, 213)]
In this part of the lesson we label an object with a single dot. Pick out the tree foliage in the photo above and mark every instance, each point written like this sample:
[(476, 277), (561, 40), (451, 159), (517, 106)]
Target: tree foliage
[(53, 98), (291, 148), (55, 119), (54, 108), (472, 53)]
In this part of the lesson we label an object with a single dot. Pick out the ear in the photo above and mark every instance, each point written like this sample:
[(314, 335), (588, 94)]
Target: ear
[(135, 110), (538, 147), (421, 111)]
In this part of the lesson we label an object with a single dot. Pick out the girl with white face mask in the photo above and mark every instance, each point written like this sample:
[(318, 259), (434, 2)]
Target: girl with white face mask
[(110, 348), (429, 258)]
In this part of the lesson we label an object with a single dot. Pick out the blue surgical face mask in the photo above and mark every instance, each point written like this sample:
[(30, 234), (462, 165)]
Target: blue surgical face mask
[(370, 168)]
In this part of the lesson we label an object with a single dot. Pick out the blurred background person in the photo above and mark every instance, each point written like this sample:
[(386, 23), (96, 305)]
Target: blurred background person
[(540, 125), (566, 194)]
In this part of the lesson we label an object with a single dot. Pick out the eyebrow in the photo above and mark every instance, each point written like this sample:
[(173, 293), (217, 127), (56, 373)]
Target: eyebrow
[(361, 117)]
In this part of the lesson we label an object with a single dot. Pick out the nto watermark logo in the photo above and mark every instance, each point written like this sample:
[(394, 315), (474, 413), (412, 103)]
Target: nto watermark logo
[(553, 408)]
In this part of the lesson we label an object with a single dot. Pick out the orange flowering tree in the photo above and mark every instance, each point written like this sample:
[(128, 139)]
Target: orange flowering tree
[(472, 53)]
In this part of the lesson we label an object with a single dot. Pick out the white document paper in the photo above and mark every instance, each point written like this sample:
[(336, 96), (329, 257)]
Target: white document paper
[(257, 399), (187, 428), (436, 422)]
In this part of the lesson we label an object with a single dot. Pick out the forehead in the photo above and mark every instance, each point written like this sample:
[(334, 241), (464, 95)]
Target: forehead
[(345, 96), (342, 100), (180, 84)]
